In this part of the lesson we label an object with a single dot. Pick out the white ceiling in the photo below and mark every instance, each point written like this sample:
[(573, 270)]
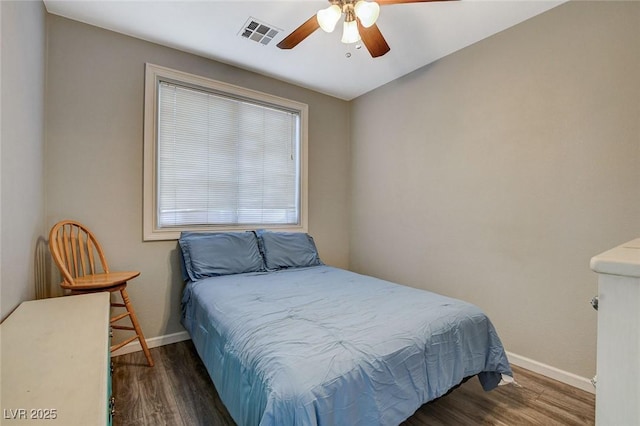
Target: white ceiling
[(418, 34)]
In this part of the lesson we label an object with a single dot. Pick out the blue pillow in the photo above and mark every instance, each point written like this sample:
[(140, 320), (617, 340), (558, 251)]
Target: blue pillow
[(221, 253), (288, 250)]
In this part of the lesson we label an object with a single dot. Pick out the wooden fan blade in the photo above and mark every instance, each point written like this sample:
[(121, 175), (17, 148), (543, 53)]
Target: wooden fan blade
[(300, 33), (373, 40), (385, 2)]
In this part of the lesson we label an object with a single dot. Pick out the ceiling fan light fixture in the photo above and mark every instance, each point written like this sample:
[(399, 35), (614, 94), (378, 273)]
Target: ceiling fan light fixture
[(367, 12), (329, 17), (350, 32)]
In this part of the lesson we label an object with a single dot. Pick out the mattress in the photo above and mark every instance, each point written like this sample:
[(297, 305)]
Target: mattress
[(325, 346)]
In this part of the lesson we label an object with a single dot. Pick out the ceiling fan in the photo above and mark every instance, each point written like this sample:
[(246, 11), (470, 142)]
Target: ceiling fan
[(359, 24)]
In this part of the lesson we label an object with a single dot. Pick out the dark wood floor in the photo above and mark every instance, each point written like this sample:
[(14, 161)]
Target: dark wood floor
[(178, 391)]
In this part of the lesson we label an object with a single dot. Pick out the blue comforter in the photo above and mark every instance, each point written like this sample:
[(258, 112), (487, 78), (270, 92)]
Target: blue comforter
[(325, 346)]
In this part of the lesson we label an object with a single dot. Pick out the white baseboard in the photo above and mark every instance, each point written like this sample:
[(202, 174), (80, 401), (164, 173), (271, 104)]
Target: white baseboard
[(551, 372), (153, 342), (521, 361)]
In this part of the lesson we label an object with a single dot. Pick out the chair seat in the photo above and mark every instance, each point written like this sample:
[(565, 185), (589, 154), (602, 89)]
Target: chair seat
[(100, 281)]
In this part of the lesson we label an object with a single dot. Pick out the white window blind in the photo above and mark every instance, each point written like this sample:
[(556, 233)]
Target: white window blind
[(225, 160)]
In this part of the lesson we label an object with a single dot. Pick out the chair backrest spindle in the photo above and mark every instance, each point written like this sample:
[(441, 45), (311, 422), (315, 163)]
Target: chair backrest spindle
[(91, 259), (73, 239)]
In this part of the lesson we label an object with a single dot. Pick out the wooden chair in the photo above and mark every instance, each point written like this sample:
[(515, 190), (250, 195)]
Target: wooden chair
[(84, 269)]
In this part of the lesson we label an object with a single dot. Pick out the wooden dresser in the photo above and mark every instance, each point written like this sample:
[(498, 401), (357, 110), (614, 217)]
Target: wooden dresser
[(618, 365), (55, 365)]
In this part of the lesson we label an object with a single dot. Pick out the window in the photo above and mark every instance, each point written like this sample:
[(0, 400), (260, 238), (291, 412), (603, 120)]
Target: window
[(220, 157)]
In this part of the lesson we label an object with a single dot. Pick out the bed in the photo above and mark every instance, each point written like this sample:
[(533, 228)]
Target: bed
[(288, 340)]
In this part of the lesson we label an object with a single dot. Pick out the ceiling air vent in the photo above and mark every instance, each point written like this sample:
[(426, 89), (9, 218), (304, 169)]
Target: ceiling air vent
[(258, 31)]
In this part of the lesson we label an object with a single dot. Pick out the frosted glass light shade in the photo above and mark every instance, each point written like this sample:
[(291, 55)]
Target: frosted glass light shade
[(328, 18), (350, 32), (367, 12)]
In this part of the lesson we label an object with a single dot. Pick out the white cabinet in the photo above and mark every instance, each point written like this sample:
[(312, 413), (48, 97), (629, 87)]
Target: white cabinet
[(54, 362), (618, 353)]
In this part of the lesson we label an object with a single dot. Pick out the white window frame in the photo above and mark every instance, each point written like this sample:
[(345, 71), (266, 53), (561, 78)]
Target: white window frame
[(154, 74)]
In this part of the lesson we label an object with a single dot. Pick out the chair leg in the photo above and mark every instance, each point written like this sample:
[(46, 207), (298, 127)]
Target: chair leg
[(136, 325)]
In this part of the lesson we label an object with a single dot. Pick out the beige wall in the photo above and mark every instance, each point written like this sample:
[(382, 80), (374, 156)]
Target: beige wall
[(94, 155), (22, 151), (496, 173)]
